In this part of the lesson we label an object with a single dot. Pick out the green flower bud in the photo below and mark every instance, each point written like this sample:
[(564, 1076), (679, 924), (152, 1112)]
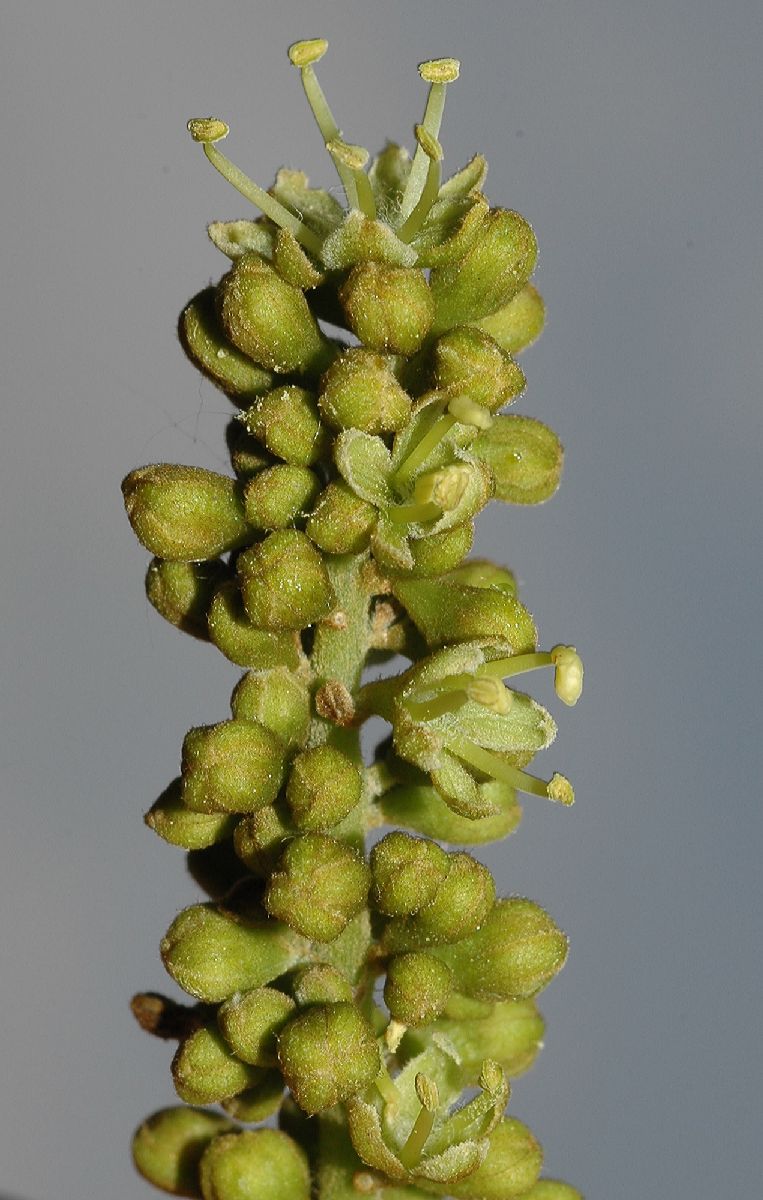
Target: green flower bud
[(388, 308), (458, 908), (323, 787), (417, 988), (250, 1022), (259, 1102), (327, 1054), (212, 954), (341, 523), (256, 1164), (458, 613), (420, 807), (497, 265), (235, 767), (278, 699), (525, 457), (319, 886), (360, 392), (176, 824), (512, 1165), (515, 953), (480, 572), (284, 582), (167, 1148), (204, 1071), (442, 551), (242, 642), (205, 343), (320, 983), (182, 592), (276, 497), (286, 420), (468, 363), (518, 323), (511, 1033), (184, 513), (258, 839), (407, 873), (552, 1189), (247, 456), (270, 320)]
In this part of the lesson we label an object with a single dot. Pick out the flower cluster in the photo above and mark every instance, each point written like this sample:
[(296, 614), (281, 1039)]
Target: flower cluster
[(369, 351)]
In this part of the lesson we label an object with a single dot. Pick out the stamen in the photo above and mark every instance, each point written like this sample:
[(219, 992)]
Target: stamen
[(303, 55), (558, 788), (354, 158), (568, 675), (439, 72), (426, 1090), (444, 488), (468, 412), (408, 514), (491, 694), (423, 448), (386, 1088), (393, 1035), (431, 188), (200, 130), (447, 701)]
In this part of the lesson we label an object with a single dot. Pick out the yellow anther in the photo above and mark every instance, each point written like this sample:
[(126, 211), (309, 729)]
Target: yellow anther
[(491, 1076), (393, 1035), (304, 54), (208, 129), (444, 488), (468, 412), (429, 143), (490, 693), (561, 790), (354, 157), (427, 1093), (568, 675), (440, 70)]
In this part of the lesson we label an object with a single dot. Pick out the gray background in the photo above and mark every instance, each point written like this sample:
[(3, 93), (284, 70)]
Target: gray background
[(630, 135)]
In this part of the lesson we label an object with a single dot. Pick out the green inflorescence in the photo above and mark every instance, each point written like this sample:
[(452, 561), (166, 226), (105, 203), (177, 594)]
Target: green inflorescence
[(357, 995)]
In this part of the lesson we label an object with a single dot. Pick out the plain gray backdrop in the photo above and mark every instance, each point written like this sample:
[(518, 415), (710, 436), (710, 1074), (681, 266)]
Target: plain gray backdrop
[(630, 135)]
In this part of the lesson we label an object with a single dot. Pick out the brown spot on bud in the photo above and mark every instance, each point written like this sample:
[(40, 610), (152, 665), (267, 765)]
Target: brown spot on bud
[(334, 702)]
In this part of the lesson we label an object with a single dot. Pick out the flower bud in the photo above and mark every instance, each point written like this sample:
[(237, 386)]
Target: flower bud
[(512, 1165), (407, 872), (256, 1164), (250, 1022), (182, 592), (552, 1189), (258, 840), (525, 457), (247, 456), (360, 392), (480, 572), (286, 421), (442, 551), (278, 699), (417, 987), (511, 1033), (276, 497), (495, 267), (421, 808), (212, 954), (184, 513), (204, 1071), (458, 613), (284, 582), (205, 343), (323, 787), (518, 323), (167, 1148), (388, 308), (259, 1102), (458, 908), (318, 887), (242, 642), (514, 954), (468, 363), (236, 766), (179, 826), (341, 523), (270, 320), (327, 1054), (320, 983)]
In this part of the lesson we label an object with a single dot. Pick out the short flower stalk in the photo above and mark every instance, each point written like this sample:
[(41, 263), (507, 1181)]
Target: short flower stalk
[(373, 1000)]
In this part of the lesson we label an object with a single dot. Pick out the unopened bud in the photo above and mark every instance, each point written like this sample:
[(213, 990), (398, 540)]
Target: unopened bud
[(388, 308), (270, 320), (251, 1021), (417, 988), (361, 392), (469, 364), (525, 457), (460, 905), (184, 513), (286, 421), (236, 766), (242, 642), (512, 1165), (323, 787), (442, 551), (320, 983), (284, 582), (255, 1164), (407, 871), (204, 1071), (341, 523), (552, 1189), (167, 1148), (496, 266), (178, 825), (277, 699), (182, 592), (205, 343), (277, 496), (519, 322), (258, 840), (259, 1102), (327, 1054), (319, 886)]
